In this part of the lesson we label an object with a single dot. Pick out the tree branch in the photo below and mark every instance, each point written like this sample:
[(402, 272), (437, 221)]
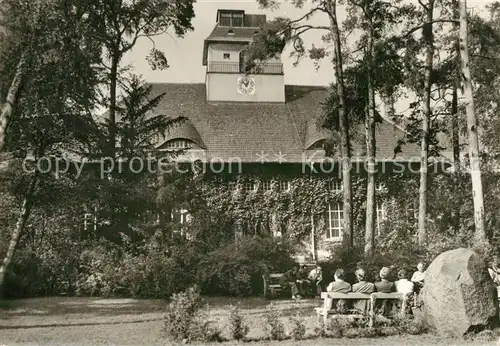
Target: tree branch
[(428, 23), (306, 16), (306, 28), (423, 5)]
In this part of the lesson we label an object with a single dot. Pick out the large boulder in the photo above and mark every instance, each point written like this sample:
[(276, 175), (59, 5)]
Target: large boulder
[(459, 295)]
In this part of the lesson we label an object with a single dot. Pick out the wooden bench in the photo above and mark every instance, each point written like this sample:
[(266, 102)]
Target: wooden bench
[(325, 311), (272, 285)]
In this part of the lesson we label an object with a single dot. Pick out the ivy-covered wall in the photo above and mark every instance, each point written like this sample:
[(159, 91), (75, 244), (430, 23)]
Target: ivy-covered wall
[(267, 199)]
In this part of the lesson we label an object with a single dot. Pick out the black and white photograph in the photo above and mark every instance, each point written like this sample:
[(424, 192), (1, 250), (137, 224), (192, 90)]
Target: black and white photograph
[(272, 172)]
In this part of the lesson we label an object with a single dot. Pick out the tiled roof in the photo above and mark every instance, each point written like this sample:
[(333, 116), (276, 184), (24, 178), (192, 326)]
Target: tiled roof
[(246, 131)]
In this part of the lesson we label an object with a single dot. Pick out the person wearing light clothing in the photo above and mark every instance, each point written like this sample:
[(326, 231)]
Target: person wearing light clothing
[(418, 277), (315, 277), (403, 285)]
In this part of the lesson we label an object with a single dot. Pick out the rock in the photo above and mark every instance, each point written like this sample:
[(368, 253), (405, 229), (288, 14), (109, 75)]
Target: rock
[(459, 295), (6, 160)]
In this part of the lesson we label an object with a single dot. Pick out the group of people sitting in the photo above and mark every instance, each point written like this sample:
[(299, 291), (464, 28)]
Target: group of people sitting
[(302, 283), (402, 285)]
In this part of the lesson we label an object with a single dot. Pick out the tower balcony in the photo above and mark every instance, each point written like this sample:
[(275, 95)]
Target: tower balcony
[(234, 67)]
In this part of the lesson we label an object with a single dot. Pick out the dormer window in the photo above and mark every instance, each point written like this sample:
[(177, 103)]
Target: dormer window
[(179, 144), (230, 32), (318, 145)]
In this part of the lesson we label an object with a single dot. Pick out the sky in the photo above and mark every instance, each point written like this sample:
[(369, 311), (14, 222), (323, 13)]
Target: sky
[(185, 54)]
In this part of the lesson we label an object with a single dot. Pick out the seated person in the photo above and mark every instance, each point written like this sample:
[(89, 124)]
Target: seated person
[(384, 306), (495, 272), (315, 279), (289, 280), (302, 283), (362, 286), (418, 277), (403, 285), (340, 286)]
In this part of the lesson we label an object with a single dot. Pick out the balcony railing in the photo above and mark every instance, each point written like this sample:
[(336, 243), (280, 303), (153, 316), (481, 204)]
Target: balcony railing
[(234, 67)]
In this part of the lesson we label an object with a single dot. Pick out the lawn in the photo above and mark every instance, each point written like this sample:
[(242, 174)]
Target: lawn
[(91, 321)]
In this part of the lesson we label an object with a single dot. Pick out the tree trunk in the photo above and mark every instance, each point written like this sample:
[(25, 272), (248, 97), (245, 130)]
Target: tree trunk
[(370, 150), (475, 163), (456, 159), (11, 100), (348, 235), (112, 105), (314, 246), (21, 221), (424, 145)]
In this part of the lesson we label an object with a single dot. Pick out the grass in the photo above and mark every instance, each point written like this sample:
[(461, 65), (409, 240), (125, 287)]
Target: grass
[(91, 321)]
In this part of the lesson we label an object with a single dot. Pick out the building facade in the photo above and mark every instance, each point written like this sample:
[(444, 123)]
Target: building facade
[(252, 124)]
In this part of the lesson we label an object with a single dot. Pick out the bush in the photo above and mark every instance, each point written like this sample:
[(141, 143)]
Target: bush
[(236, 269), (239, 329), (203, 329), (413, 325), (298, 327), (320, 329), (273, 327), (182, 313)]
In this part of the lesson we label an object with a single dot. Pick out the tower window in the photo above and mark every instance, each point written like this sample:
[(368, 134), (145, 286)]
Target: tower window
[(231, 19), (227, 56), (225, 19), (237, 19)]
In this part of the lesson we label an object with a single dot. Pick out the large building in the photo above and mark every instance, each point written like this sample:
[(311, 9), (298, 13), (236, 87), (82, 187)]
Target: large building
[(254, 120)]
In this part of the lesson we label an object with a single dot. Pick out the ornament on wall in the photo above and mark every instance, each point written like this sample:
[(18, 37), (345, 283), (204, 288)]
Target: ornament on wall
[(246, 85)]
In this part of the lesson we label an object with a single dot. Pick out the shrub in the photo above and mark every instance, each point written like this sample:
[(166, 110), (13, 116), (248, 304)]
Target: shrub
[(204, 329), (320, 329), (337, 327), (239, 329), (298, 327), (414, 325), (236, 269), (182, 314), (273, 327)]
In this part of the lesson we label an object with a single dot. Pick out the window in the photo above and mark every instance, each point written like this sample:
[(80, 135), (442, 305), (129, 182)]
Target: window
[(231, 19), (266, 185), (284, 185), (335, 185), (249, 186), (178, 144), (319, 145), (231, 186), (227, 56), (237, 19), (225, 19), (89, 221), (334, 222), (181, 217)]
